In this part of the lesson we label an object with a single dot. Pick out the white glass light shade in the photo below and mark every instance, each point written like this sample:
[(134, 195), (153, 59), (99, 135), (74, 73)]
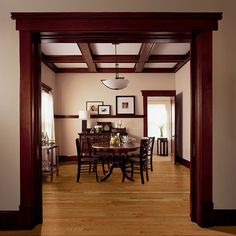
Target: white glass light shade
[(84, 115), (116, 84)]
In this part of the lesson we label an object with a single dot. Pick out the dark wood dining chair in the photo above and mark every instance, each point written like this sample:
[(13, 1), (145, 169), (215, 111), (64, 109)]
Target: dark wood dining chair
[(150, 152), (86, 162), (138, 163)]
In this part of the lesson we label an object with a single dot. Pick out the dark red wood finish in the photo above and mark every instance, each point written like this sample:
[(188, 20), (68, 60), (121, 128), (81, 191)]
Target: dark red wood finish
[(30, 135), (201, 158), (98, 116), (142, 27)]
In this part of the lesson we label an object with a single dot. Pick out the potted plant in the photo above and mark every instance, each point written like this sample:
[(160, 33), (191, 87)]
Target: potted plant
[(161, 127)]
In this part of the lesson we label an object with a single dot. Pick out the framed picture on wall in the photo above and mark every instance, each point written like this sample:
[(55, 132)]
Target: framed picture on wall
[(125, 105), (92, 106), (104, 110)]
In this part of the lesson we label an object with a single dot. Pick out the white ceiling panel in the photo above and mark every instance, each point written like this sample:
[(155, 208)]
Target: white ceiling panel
[(159, 65), (71, 65), (112, 65), (57, 49), (109, 48), (171, 49)]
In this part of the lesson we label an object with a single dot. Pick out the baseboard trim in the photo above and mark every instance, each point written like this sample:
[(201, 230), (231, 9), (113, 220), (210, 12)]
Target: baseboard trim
[(183, 162), (68, 158), (224, 217), (9, 220)]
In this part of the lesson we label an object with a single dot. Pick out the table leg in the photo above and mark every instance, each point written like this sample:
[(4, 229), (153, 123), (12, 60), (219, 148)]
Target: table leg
[(108, 173)]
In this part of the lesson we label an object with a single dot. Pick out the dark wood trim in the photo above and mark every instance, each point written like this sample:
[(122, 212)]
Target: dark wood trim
[(201, 159), (68, 158), (199, 25), (64, 59), (183, 161), (9, 220), (50, 65), (113, 70), (86, 53), (46, 87), (117, 21), (158, 93), (153, 93), (179, 65), (98, 116), (112, 58), (30, 136), (66, 116), (144, 54), (224, 217)]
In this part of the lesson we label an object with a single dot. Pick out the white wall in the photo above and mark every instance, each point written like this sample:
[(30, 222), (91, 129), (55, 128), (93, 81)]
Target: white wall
[(73, 90), (224, 86), (182, 85)]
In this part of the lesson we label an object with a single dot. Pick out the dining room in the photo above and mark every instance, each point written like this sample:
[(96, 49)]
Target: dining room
[(67, 116)]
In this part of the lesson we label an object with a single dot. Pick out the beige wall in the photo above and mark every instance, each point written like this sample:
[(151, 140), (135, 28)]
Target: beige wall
[(73, 90), (224, 86), (182, 83)]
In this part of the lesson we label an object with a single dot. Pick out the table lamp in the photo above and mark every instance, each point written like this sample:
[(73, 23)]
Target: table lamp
[(84, 116)]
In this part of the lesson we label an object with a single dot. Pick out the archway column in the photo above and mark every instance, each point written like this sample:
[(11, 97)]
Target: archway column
[(201, 126)]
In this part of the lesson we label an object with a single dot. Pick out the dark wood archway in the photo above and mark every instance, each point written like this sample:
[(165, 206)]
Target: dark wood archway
[(111, 27)]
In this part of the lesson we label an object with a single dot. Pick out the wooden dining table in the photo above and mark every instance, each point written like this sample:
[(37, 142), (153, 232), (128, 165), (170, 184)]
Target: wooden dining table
[(119, 154)]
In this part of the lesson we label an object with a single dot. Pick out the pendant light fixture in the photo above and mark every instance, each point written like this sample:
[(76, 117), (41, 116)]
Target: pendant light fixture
[(118, 82)]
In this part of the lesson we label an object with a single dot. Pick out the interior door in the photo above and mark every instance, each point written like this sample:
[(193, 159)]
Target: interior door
[(173, 126)]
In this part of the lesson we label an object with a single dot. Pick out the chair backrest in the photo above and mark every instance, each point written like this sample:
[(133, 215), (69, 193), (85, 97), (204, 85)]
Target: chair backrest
[(78, 147), (150, 146), (144, 145)]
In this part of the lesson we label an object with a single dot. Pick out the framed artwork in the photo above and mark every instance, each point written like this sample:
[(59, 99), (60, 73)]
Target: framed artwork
[(125, 105), (104, 109), (92, 106)]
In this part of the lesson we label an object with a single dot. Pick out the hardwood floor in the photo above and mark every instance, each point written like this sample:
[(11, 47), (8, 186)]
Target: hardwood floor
[(159, 207)]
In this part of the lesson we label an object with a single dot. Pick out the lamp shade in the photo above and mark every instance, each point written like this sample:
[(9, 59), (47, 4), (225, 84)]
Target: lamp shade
[(116, 83), (84, 115)]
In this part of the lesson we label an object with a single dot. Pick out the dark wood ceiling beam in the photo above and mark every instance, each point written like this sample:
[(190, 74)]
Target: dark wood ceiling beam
[(181, 64), (48, 64), (86, 53), (112, 70), (166, 58), (144, 54), (112, 58), (65, 59)]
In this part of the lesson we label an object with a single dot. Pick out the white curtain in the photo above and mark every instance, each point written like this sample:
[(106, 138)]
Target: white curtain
[(47, 113), (159, 115)]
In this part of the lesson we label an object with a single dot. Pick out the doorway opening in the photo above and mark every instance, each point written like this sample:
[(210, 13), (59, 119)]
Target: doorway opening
[(132, 27)]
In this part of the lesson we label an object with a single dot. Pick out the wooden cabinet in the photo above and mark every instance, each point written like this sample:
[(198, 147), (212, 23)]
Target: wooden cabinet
[(97, 136)]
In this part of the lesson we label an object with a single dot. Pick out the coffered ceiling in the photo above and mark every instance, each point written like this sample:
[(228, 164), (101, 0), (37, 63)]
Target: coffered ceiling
[(150, 57)]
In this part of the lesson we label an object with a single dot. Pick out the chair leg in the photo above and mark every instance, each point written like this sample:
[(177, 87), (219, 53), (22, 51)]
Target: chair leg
[(151, 164), (147, 177), (141, 173), (78, 173), (132, 170), (96, 170)]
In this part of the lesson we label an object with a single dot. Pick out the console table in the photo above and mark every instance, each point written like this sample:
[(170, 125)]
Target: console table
[(50, 162), (98, 136)]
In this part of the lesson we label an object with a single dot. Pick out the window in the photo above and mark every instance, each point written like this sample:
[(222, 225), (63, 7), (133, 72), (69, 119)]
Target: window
[(159, 116), (47, 114)]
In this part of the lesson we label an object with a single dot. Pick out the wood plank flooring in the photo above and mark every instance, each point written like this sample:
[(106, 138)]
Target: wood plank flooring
[(160, 207)]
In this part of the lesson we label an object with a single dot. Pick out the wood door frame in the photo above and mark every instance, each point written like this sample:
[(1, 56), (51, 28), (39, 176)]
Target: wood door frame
[(144, 27)]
